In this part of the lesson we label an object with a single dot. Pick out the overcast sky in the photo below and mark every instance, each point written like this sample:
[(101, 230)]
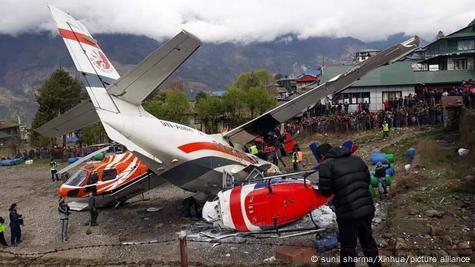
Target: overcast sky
[(246, 20)]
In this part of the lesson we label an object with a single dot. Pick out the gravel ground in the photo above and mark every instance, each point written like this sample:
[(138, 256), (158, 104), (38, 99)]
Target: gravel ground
[(32, 189)]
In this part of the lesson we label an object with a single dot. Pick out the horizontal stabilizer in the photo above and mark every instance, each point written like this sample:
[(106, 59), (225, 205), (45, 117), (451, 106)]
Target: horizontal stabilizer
[(74, 119), (269, 120), (149, 74)]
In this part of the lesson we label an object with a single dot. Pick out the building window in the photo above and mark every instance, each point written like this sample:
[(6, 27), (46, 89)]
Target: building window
[(465, 45), (354, 98), (460, 63), (391, 95)]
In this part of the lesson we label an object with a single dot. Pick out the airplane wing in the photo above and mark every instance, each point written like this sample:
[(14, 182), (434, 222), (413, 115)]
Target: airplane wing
[(83, 159), (269, 120), (149, 74), (79, 116)]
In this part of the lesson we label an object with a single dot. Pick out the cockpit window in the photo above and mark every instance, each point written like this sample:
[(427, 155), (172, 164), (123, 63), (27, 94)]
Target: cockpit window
[(77, 179), (110, 174)]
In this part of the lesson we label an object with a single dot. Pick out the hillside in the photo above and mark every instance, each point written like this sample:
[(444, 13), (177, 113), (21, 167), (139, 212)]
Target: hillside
[(28, 59)]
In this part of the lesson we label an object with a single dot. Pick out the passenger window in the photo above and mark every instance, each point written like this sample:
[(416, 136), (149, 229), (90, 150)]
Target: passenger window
[(108, 175), (93, 178)]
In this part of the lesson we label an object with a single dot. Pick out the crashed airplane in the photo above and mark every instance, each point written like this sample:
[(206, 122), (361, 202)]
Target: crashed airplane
[(181, 155)]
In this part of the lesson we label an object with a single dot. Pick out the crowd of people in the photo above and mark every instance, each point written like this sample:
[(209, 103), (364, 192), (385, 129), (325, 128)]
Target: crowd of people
[(420, 109), (55, 152)]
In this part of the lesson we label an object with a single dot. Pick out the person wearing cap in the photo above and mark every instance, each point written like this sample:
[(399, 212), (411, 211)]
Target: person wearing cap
[(63, 209), (380, 173), (347, 178)]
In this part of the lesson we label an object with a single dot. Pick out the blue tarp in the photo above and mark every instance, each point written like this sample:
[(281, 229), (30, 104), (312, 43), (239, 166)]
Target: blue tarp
[(378, 157), (11, 162)]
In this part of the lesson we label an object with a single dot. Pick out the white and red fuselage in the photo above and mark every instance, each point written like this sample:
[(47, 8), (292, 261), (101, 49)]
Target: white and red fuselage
[(264, 205)]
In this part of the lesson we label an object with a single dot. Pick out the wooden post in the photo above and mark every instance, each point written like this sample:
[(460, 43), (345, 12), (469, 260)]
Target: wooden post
[(183, 254)]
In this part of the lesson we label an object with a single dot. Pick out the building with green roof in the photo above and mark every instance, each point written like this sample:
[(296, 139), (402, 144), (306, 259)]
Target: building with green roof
[(444, 63), (455, 51)]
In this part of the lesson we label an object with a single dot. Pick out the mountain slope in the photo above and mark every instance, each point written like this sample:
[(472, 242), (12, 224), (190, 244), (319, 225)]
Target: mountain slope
[(27, 60)]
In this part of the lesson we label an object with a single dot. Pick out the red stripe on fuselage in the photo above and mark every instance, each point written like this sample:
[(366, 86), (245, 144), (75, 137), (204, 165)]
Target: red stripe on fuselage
[(192, 147), (75, 36), (236, 209)]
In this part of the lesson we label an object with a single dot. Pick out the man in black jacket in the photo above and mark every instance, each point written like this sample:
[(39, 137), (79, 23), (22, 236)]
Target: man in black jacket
[(93, 206), (347, 178)]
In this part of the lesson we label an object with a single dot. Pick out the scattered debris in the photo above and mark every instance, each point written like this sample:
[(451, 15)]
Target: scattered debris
[(153, 209), (463, 152), (328, 242), (434, 213), (270, 259), (407, 168), (324, 217), (413, 211)]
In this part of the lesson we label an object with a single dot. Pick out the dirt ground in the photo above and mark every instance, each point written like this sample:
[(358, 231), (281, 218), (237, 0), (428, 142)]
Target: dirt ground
[(33, 191), (430, 211)]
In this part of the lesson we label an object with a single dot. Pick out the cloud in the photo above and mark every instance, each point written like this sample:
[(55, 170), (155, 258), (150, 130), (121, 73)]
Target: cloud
[(245, 20)]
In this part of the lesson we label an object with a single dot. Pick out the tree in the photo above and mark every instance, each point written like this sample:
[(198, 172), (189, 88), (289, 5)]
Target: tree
[(209, 110), (156, 108), (259, 77), (246, 80), (234, 100), (264, 77), (172, 106), (258, 99), (93, 134), (200, 95), (177, 107), (57, 95), (248, 94)]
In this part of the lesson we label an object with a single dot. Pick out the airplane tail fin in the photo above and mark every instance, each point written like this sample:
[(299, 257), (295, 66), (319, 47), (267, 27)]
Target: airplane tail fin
[(107, 90), (88, 57)]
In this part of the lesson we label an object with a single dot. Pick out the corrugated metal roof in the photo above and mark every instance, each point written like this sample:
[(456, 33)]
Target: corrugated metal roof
[(311, 72), (5, 125), (401, 73)]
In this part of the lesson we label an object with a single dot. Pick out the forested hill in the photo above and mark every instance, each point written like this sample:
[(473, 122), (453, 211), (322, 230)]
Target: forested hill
[(27, 60)]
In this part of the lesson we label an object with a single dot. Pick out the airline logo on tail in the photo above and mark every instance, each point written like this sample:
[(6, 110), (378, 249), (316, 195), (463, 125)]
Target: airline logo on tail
[(100, 61), (85, 51)]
